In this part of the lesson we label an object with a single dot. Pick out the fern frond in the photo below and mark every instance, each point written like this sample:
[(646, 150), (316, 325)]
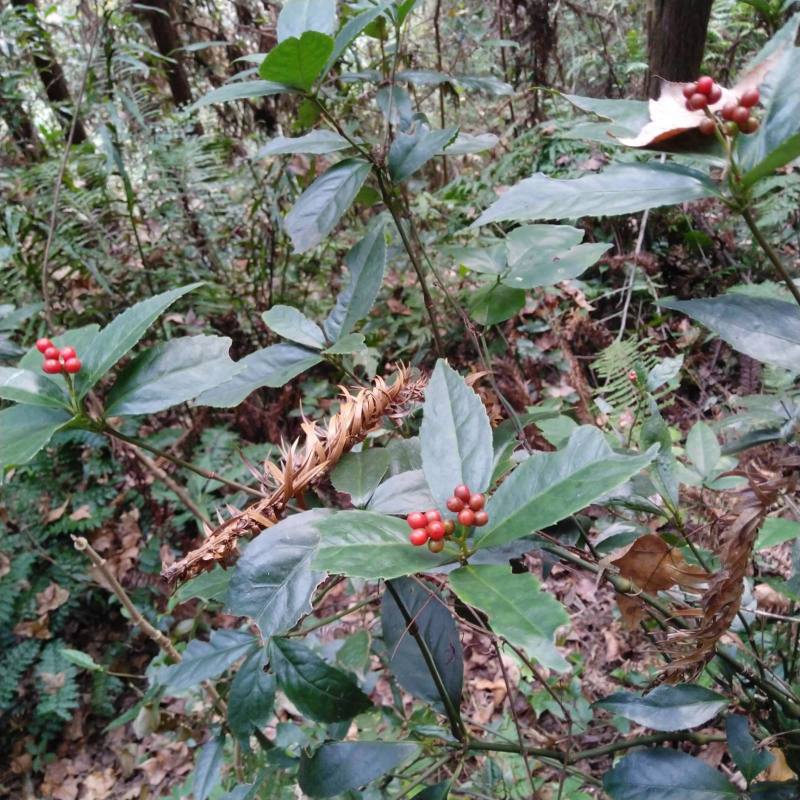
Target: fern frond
[(613, 365)]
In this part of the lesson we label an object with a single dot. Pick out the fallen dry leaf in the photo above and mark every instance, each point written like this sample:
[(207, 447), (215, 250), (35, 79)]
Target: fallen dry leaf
[(778, 770), (52, 681), (55, 514), (33, 628), (51, 598), (81, 513), (5, 565)]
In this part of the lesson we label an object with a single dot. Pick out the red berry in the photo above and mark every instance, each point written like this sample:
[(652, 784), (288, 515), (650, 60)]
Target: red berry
[(436, 546), (466, 517), (749, 98), (462, 492), (728, 109), (715, 95), (433, 516), (751, 126), (43, 344), (51, 352), (741, 115), (435, 531), (705, 84), (51, 366), (481, 518), (67, 353), (455, 505), (476, 502), (707, 128), (72, 365), (632, 376), (697, 101), (418, 537), (449, 527), (416, 520), (689, 89)]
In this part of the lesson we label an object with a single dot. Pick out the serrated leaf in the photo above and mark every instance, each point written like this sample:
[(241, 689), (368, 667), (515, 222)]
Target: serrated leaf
[(251, 697), (319, 691), (666, 708), (517, 609), (273, 582), (208, 771), (742, 746), (211, 585), (410, 151), (299, 16), (297, 61), (357, 474), (337, 767), (548, 487), (25, 430), (294, 325), (30, 388), (402, 494), (323, 204), (455, 434)]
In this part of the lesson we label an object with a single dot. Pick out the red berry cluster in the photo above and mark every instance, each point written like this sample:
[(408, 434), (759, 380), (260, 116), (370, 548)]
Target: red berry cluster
[(468, 506), (702, 93), (736, 116), (428, 526), (55, 360)]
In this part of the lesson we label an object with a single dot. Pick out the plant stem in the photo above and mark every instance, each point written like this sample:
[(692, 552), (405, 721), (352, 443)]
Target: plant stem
[(321, 623), (747, 215)]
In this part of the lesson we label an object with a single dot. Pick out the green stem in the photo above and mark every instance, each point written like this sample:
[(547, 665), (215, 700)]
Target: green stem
[(321, 623)]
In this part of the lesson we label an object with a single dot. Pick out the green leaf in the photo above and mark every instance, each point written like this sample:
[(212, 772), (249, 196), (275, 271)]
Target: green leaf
[(455, 434), (621, 189), (350, 343), (762, 328), (486, 260), (703, 448), (25, 430), (204, 660), (366, 261), (79, 338), (363, 544), (495, 303), (437, 628), (667, 708), (320, 691), (208, 771), (251, 696), (357, 474), (297, 62), (467, 143), (274, 582), (273, 366), (751, 761), (315, 143), (324, 203), (353, 28), (531, 243), (26, 386), (294, 325), (208, 586), (337, 767), (121, 334), (240, 90), (81, 659), (483, 83), (776, 530), (547, 269), (517, 609), (299, 16), (439, 791), (353, 655), (410, 151), (547, 487), (632, 115), (402, 494), (666, 775), (170, 373)]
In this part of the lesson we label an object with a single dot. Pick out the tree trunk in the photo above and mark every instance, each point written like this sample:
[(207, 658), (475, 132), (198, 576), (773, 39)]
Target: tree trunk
[(676, 33), (55, 84), (168, 43), (19, 124)]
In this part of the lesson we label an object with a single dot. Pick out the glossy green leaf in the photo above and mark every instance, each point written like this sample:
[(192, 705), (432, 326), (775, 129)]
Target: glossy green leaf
[(241, 90), (486, 260), (353, 655), (121, 334), (529, 244), (660, 774), (467, 143), (366, 261), (337, 767), (776, 530), (439, 791), (274, 581), (438, 629), (547, 487), (410, 151), (80, 659), (294, 325), (402, 494), (517, 609), (299, 16), (357, 474), (455, 434), (667, 708), (320, 691), (633, 115), (297, 61), (363, 544), (324, 203), (703, 448), (208, 770), (25, 430), (395, 105), (204, 660), (495, 303), (621, 189), (208, 586), (547, 269), (487, 84), (170, 373), (26, 386), (762, 328), (273, 366), (742, 746), (317, 142), (251, 697), (353, 28), (349, 343)]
